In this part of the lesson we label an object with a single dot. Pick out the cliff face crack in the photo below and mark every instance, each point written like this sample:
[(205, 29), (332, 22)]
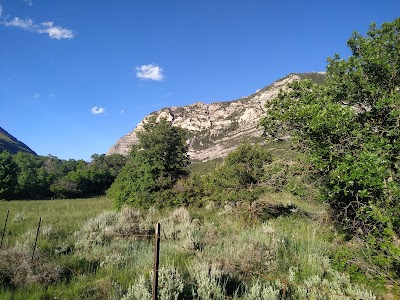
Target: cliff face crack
[(218, 128)]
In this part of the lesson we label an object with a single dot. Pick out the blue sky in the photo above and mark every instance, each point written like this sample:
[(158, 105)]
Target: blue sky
[(77, 75)]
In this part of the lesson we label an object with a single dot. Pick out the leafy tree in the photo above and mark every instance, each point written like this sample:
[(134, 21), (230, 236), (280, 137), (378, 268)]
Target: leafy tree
[(8, 175), (30, 180), (349, 128), (156, 163), (87, 179)]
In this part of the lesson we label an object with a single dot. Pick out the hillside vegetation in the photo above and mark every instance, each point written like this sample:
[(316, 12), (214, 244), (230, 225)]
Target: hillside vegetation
[(313, 213), (280, 248), (11, 144)]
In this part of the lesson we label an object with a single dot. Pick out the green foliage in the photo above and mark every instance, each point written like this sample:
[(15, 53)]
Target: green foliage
[(248, 162), (89, 179), (27, 176), (349, 127), (188, 191), (8, 175), (156, 164), (32, 178), (237, 178)]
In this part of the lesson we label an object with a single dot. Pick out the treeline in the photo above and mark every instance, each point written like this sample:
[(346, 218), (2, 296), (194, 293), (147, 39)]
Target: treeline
[(26, 176)]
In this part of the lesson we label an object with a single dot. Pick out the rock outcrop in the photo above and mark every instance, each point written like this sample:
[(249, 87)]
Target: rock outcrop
[(218, 128)]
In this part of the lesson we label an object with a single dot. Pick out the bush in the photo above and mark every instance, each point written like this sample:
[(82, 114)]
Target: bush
[(240, 174), (110, 225), (170, 286), (17, 271)]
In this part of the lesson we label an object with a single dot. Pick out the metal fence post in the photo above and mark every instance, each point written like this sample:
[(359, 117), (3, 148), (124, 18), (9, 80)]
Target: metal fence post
[(37, 235), (156, 261), (4, 230)]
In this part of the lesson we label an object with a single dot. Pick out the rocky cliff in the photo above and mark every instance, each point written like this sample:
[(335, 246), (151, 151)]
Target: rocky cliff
[(218, 128)]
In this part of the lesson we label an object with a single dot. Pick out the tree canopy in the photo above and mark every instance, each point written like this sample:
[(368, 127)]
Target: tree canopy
[(156, 163), (350, 130), (28, 176)]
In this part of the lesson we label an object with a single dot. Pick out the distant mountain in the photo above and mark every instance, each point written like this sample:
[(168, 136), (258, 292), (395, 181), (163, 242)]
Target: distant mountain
[(11, 144), (218, 128)]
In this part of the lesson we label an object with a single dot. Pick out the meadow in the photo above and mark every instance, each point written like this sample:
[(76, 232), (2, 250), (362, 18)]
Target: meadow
[(278, 247)]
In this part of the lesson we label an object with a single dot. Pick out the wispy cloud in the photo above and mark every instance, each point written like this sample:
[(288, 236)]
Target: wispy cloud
[(150, 72), (36, 96), (52, 95), (54, 32), (97, 110), (22, 24), (122, 111)]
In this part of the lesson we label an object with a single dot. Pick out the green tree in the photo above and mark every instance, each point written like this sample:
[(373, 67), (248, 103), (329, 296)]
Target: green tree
[(30, 180), (8, 175), (156, 163), (350, 128)]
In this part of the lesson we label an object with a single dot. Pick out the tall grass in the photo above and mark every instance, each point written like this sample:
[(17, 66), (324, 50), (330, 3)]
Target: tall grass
[(64, 216), (88, 251)]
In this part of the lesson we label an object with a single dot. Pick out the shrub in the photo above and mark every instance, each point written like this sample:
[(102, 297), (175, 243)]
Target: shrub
[(109, 225), (180, 227), (17, 271), (238, 177), (170, 286), (208, 281), (259, 290)]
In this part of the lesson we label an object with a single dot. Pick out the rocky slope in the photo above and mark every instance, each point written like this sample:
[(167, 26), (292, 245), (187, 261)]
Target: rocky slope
[(11, 144), (218, 128)]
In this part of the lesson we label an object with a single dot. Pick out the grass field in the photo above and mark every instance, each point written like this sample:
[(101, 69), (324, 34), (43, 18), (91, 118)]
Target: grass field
[(278, 248), (65, 215)]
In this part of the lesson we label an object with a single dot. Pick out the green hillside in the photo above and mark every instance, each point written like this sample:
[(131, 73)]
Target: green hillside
[(11, 144)]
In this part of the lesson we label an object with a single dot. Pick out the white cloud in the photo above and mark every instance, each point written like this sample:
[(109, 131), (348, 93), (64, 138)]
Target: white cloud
[(97, 110), (151, 72), (29, 2), (36, 96), (52, 95), (54, 32), (23, 24), (122, 111), (1, 9)]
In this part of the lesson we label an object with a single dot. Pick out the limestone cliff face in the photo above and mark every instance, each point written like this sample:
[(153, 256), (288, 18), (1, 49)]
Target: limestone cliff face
[(215, 129)]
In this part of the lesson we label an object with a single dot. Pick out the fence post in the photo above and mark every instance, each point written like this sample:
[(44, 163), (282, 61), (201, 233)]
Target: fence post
[(156, 261), (4, 230), (37, 235)]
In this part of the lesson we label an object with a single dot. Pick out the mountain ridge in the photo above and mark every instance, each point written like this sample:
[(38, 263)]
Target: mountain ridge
[(218, 128), (11, 144)]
